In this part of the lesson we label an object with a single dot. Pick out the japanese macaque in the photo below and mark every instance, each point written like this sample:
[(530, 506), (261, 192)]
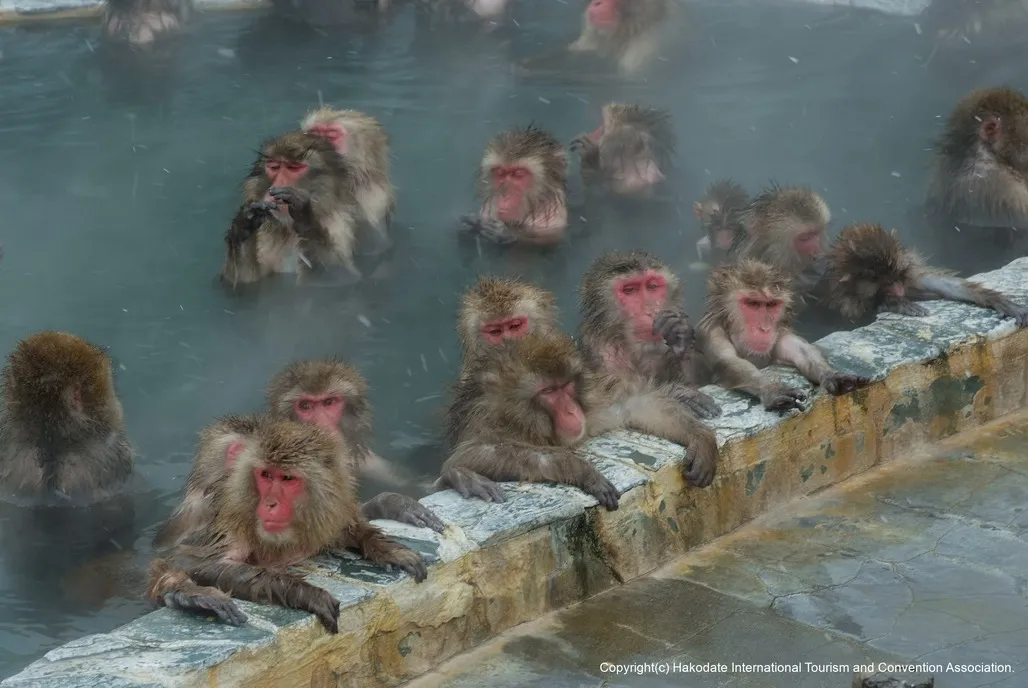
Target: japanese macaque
[(746, 329), (298, 212), (720, 215), (869, 270), (331, 394), (498, 308), (141, 22), (365, 144), (628, 34), (522, 183), (785, 228), (635, 330), (958, 24), (629, 154), (980, 170), (288, 493), (62, 431)]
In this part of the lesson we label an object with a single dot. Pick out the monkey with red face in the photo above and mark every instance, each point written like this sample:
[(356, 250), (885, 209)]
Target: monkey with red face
[(299, 205), (522, 184), (746, 328)]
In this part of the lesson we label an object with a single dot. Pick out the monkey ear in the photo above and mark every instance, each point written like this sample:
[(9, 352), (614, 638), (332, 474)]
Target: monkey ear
[(990, 129), (697, 210), (233, 452)]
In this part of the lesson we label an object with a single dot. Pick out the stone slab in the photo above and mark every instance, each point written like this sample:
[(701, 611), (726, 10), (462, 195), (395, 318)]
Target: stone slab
[(948, 324), (874, 351), (450, 545)]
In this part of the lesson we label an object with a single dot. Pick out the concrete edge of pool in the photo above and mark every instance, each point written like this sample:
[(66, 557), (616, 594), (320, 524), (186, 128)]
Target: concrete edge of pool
[(12, 11), (502, 564)]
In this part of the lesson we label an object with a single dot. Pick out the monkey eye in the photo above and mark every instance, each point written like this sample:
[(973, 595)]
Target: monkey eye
[(494, 331), (305, 405), (266, 474), (550, 390), (273, 166), (287, 477), (629, 288), (329, 401), (296, 166), (652, 285), (514, 326)]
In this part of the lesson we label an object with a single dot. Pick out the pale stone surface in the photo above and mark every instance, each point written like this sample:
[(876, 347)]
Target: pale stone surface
[(874, 351), (447, 546)]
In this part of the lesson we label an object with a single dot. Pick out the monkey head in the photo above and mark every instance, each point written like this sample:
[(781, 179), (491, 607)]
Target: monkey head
[(496, 309), (534, 386), (295, 159), (285, 486), (752, 301), (522, 171), (867, 264), (719, 213), (635, 146), (59, 384), (790, 222), (347, 130), (324, 392), (621, 293), (604, 15), (995, 118)]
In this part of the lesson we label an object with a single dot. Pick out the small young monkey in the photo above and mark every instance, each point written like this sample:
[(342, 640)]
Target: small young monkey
[(630, 153), (141, 22), (720, 215), (522, 183), (869, 270), (746, 328)]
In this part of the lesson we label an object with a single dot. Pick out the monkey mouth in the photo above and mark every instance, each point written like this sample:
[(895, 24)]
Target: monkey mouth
[(275, 527)]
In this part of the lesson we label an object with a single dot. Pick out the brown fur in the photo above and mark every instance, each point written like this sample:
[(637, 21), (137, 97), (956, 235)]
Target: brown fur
[(867, 263), (141, 22), (772, 221), (62, 432), (495, 298), (722, 336), (721, 208), (637, 370), (233, 554), (634, 140), (368, 154), (326, 238), (979, 179), (646, 26), (536, 149)]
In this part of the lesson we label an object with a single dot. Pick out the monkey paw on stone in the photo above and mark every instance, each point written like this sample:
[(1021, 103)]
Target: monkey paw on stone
[(471, 484), (779, 397), (603, 490), (675, 329), (398, 507), (904, 307), (843, 383), (488, 228), (699, 470), (207, 600), (323, 605), (1007, 308), (408, 561), (700, 403)]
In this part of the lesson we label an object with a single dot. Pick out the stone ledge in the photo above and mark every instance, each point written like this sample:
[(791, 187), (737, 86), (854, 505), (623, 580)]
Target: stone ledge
[(498, 565)]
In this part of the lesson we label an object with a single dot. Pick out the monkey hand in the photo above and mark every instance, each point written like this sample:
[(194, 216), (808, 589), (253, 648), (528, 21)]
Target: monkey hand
[(297, 200), (250, 217), (471, 484), (583, 144), (676, 330), (323, 605), (778, 397), (701, 404), (407, 560), (602, 489), (404, 509), (836, 383), (206, 600), (699, 469), (1007, 307), (903, 307), (488, 228)]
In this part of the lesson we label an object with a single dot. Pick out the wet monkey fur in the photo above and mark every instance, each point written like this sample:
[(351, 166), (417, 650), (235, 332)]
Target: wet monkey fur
[(522, 184), (746, 329), (630, 153), (870, 270), (720, 215), (141, 22), (288, 493), (980, 168), (299, 212), (62, 429), (365, 144)]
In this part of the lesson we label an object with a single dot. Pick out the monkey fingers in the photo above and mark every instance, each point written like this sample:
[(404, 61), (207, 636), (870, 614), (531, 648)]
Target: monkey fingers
[(781, 398), (1005, 306), (471, 484), (404, 509), (843, 383), (602, 489), (488, 228), (584, 144), (323, 605), (258, 210), (298, 200), (903, 307), (676, 331), (409, 561), (700, 403), (699, 470), (206, 599)]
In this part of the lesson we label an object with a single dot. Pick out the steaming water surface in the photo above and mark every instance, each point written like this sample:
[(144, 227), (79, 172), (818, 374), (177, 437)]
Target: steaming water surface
[(120, 180)]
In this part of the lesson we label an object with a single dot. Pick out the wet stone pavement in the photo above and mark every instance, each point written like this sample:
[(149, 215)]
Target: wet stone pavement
[(921, 562)]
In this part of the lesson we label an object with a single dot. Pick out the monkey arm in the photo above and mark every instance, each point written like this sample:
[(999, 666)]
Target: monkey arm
[(242, 264), (590, 158), (796, 351), (175, 589), (735, 372), (379, 549), (211, 567), (931, 285), (398, 507), (488, 228), (509, 460), (470, 484)]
